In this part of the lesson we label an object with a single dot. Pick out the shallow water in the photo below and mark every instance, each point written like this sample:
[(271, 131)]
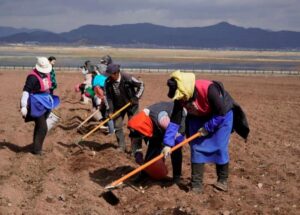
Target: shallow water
[(75, 62), (28, 59)]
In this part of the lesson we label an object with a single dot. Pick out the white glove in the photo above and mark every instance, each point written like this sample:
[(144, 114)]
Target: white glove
[(147, 111), (166, 151), (97, 101), (203, 131), (24, 111)]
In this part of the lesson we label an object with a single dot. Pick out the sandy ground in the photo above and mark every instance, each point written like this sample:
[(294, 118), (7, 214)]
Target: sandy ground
[(264, 172)]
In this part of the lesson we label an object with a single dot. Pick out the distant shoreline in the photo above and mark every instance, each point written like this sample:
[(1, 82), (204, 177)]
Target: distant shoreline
[(67, 56), (144, 71)]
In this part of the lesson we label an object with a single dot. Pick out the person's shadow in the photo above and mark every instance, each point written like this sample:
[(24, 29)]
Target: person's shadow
[(16, 148), (72, 123), (91, 145), (104, 176), (75, 121)]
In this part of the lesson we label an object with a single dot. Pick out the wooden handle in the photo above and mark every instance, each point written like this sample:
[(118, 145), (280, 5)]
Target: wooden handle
[(133, 172), (87, 119), (105, 121)]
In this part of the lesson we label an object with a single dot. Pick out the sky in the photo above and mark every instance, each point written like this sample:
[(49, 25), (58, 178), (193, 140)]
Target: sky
[(65, 15)]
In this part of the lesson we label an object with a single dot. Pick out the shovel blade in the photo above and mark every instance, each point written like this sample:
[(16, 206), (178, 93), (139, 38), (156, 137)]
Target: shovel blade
[(112, 187)]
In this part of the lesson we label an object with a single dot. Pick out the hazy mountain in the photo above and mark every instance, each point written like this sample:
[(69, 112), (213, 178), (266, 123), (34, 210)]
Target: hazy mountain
[(222, 35), (7, 31), (35, 37)]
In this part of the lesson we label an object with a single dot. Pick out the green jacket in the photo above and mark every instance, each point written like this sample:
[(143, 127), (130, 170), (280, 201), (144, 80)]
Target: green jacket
[(53, 80)]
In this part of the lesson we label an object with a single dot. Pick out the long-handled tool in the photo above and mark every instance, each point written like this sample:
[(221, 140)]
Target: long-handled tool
[(105, 121), (133, 172), (87, 119)]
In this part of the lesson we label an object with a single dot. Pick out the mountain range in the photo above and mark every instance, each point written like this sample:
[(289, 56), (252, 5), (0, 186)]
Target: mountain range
[(219, 36)]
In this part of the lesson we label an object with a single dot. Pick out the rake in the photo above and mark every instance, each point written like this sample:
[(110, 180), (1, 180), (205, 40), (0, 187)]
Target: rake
[(102, 123)]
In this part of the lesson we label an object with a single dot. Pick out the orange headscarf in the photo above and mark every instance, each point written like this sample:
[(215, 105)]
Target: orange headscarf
[(142, 123)]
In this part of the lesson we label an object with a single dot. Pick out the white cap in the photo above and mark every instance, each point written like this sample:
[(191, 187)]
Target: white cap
[(43, 65)]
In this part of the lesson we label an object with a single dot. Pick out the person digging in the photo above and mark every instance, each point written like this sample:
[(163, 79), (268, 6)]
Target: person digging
[(150, 125), (99, 100), (213, 113), (121, 89)]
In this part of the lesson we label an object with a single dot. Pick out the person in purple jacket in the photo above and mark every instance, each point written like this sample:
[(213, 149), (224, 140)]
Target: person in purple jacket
[(211, 111)]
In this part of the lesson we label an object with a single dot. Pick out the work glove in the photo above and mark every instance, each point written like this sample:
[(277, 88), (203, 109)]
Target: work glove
[(166, 151), (203, 131), (97, 102), (24, 112), (179, 138), (134, 100)]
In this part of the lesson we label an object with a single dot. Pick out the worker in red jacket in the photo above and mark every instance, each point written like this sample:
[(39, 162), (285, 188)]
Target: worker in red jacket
[(150, 124)]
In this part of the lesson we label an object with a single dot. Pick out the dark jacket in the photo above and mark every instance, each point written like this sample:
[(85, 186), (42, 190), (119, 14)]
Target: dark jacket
[(129, 88), (240, 122)]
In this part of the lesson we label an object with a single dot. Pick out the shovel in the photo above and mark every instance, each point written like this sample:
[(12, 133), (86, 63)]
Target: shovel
[(119, 182), (102, 123), (87, 119)]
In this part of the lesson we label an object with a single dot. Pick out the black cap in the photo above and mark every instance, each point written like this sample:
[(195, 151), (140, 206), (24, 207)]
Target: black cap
[(172, 84), (112, 68)]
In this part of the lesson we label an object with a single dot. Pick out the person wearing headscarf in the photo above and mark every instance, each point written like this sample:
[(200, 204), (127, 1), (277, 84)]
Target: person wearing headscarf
[(150, 125), (212, 112), (37, 102)]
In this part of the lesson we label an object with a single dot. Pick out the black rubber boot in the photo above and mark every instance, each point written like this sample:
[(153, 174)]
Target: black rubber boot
[(39, 134), (176, 158), (197, 177), (222, 173)]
